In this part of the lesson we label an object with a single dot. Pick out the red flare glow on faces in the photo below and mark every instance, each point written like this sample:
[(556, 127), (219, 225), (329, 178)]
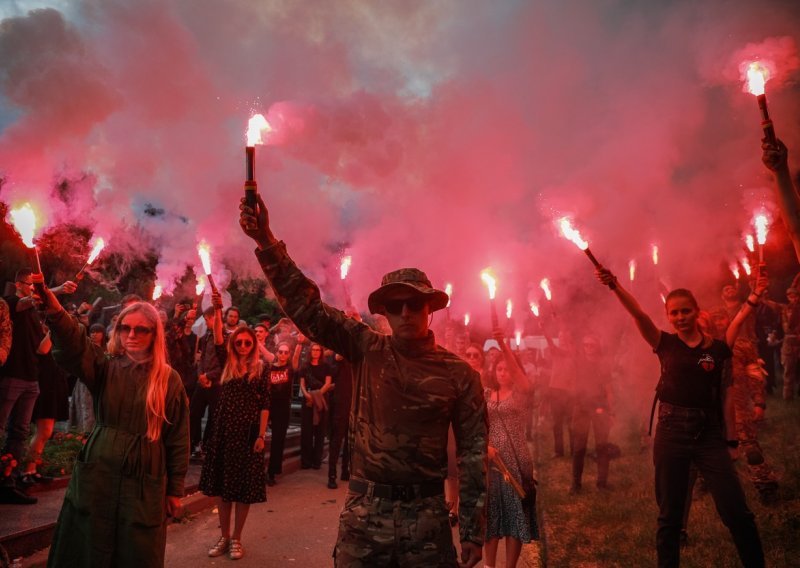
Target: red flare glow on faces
[(448, 289), (98, 246), (750, 243), (632, 269), (535, 309), (735, 270), (24, 221), (255, 126), (204, 251), (572, 234), (509, 308), (490, 281), (654, 249), (545, 286), (761, 224), (757, 76), (344, 267), (746, 265)]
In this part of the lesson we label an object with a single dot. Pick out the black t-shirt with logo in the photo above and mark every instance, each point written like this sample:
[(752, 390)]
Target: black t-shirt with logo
[(314, 375), (691, 376), (281, 378)]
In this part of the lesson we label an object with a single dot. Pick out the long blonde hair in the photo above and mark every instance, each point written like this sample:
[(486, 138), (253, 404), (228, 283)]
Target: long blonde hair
[(158, 378), (236, 366)]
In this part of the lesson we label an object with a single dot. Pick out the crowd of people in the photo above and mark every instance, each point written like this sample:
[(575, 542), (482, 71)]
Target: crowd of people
[(428, 436)]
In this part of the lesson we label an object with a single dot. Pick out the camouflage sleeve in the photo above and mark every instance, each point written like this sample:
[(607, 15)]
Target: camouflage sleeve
[(471, 427), (300, 300), (5, 331)]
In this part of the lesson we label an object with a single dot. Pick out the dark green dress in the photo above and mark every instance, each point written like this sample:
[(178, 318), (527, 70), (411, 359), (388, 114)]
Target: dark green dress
[(114, 511)]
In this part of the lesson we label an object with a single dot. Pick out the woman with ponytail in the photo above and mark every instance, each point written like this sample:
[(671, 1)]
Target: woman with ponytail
[(129, 476), (233, 470)]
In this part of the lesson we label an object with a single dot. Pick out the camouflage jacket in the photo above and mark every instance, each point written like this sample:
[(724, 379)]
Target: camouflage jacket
[(405, 396)]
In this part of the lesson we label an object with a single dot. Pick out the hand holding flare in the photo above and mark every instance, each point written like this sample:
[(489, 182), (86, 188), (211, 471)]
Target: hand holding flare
[(255, 126), (757, 76), (98, 246)]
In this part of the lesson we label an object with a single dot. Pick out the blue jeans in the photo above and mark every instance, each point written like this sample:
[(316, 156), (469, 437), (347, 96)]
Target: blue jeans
[(17, 399), (687, 436)]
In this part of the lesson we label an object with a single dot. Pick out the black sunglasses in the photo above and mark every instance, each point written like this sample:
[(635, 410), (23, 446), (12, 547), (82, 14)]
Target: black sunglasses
[(138, 329), (395, 307), (280, 352), (243, 343)]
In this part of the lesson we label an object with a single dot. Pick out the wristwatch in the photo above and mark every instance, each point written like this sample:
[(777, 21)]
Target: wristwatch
[(732, 443)]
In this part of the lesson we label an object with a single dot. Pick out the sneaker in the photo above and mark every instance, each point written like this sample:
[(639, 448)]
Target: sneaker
[(13, 496), (332, 483), (222, 546), (236, 551)]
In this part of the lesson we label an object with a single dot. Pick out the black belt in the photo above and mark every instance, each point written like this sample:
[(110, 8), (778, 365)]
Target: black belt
[(397, 492)]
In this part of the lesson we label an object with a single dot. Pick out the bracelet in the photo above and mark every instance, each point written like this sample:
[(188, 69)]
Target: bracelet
[(732, 443), (751, 304)]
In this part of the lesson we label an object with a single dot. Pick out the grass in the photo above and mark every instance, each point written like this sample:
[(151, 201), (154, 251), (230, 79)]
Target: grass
[(617, 528)]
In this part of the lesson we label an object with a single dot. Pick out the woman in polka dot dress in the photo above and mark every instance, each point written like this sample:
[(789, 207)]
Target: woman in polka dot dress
[(233, 470)]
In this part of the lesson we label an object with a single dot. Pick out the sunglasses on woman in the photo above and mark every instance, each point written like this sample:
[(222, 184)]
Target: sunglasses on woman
[(125, 329), (243, 343), (395, 307)]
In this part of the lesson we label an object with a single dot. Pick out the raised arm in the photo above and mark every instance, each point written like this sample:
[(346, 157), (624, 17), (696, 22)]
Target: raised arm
[(216, 301), (776, 159), (517, 373), (648, 330), (747, 308), (298, 296)]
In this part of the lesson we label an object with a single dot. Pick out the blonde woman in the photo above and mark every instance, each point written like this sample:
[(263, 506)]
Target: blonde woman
[(129, 476), (233, 470)]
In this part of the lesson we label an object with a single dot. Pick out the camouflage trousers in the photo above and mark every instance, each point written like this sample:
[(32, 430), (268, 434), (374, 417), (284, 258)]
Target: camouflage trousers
[(760, 473), (384, 533)]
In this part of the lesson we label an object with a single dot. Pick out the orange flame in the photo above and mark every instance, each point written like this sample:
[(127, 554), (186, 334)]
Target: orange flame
[(735, 270), (535, 309), (98, 246), (158, 290), (761, 224), (448, 289), (509, 308), (655, 254), (632, 269), (572, 234), (545, 286), (757, 77), (24, 221), (201, 285), (204, 251), (746, 265), (466, 319), (750, 243), (518, 337), (344, 267), (255, 126), (490, 281)]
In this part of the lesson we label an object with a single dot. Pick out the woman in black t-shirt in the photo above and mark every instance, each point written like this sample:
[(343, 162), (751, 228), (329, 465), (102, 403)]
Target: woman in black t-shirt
[(315, 381), (281, 377), (695, 420)]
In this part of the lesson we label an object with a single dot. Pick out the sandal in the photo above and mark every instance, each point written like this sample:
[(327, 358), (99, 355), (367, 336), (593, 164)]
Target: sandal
[(220, 548), (236, 551)]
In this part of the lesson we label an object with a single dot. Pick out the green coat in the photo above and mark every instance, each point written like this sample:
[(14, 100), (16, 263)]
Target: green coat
[(114, 511)]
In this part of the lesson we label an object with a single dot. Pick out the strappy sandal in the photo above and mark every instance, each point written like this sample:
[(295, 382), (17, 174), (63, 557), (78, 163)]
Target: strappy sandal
[(222, 546), (236, 551)]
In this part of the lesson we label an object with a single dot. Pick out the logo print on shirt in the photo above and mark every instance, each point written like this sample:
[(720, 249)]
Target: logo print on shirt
[(279, 377), (706, 362)]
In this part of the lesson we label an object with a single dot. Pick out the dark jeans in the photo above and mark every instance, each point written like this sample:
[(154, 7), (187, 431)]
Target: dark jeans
[(687, 436), (203, 398), (279, 414), (560, 410), (339, 444), (582, 419), (17, 399), (312, 437)]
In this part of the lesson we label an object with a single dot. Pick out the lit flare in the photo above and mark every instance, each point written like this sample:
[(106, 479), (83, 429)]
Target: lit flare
[(344, 267), (158, 290), (466, 319), (509, 308), (572, 234), (632, 269), (746, 265), (491, 283), (255, 126), (24, 221), (518, 338), (735, 270), (654, 249), (448, 289), (535, 309), (750, 242), (545, 286), (757, 77), (761, 224)]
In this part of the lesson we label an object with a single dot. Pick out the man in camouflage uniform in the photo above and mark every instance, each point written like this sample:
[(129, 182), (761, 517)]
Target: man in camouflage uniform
[(790, 350), (749, 404), (407, 392)]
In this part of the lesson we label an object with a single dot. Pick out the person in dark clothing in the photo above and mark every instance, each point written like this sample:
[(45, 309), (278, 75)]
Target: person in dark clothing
[(316, 380), (340, 413), (19, 376), (281, 379), (182, 345), (206, 393), (696, 423)]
